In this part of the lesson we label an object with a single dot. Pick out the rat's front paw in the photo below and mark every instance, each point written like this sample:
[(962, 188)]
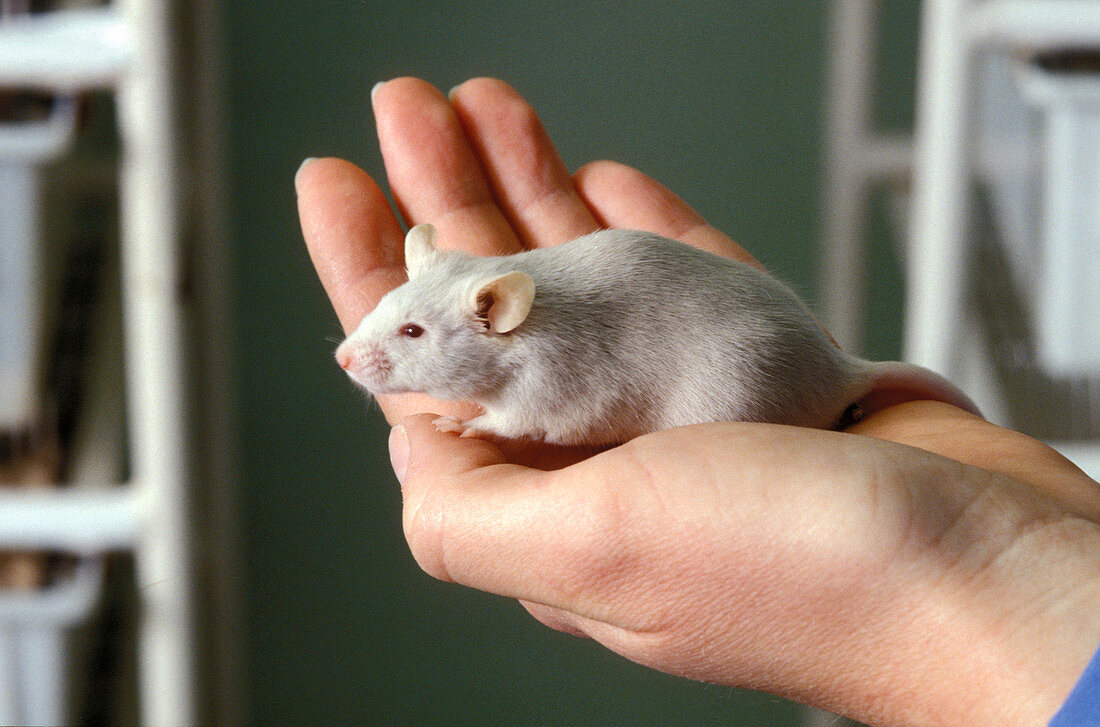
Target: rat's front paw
[(450, 425)]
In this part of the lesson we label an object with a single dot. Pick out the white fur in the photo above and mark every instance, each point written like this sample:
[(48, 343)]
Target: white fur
[(612, 335)]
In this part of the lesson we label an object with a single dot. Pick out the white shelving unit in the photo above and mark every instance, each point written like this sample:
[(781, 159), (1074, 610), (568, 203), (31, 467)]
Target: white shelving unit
[(123, 48), (985, 112)]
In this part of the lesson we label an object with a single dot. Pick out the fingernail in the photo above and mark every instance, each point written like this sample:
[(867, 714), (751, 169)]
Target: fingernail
[(374, 89), (301, 167), (399, 452)]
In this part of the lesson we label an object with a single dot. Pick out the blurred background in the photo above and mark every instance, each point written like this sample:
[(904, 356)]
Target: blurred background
[(199, 523)]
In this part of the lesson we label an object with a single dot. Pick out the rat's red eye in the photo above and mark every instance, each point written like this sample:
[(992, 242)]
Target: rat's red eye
[(411, 330)]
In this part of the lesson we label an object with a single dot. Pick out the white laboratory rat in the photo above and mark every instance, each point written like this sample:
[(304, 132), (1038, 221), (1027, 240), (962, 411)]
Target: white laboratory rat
[(615, 334)]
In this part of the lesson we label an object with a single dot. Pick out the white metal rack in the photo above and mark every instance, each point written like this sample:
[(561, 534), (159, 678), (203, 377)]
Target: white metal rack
[(22, 148), (1050, 163), (124, 48), (954, 36)]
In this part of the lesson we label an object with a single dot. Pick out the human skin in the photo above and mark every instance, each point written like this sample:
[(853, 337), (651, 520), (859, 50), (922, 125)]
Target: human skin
[(924, 567)]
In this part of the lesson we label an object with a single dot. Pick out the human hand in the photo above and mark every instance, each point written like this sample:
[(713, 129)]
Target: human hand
[(482, 170), (872, 579)]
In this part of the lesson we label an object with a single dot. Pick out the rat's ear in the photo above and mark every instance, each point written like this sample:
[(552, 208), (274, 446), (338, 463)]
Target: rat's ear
[(504, 302), (420, 250)]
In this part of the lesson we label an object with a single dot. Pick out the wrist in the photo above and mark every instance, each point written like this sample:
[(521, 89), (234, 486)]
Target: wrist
[(1009, 612)]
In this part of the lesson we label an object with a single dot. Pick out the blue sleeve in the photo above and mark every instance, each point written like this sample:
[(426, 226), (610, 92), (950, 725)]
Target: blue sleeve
[(1082, 707)]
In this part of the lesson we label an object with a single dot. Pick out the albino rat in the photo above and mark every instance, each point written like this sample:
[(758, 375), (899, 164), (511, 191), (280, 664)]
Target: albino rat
[(610, 336)]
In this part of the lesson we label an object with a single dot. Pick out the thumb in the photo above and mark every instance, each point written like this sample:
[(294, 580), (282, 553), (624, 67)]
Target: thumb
[(473, 516), (458, 493), (418, 448)]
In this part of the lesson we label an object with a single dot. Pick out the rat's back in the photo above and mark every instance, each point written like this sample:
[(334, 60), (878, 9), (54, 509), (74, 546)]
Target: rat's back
[(631, 332)]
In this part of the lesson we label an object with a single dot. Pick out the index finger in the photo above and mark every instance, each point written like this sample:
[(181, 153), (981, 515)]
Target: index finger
[(353, 238)]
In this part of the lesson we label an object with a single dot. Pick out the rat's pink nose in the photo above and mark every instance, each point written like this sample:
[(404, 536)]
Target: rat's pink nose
[(343, 357)]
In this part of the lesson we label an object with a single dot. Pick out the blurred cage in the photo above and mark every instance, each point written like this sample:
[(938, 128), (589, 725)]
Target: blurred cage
[(92, 440), (996, 197)]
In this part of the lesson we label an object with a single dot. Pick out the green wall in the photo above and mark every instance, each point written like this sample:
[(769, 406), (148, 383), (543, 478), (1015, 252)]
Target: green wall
[(720, 101)]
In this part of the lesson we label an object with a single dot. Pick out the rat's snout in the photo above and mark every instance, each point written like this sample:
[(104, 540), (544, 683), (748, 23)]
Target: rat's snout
[(344, 356), (365, 362)]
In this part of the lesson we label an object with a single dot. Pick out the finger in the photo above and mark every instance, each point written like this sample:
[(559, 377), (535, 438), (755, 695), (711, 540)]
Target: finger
[(445, 491), (356, 244), (554, 618), (639, 647), (964, 437), (621, 196), (433, 171), (529, 180), (353, 238), (472, 517)]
